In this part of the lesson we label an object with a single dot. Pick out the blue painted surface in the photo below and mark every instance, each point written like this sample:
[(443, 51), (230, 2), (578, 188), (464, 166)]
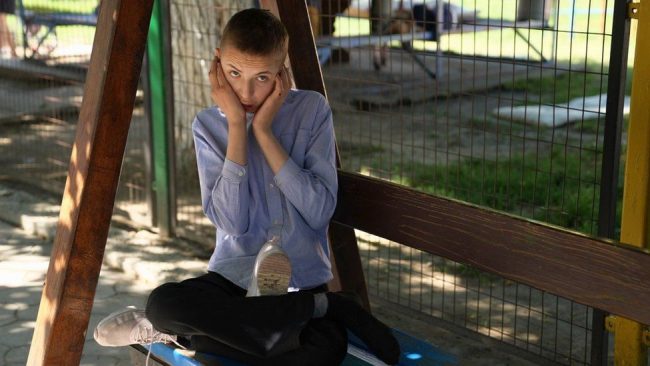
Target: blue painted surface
[(173, 357), (414, 353)]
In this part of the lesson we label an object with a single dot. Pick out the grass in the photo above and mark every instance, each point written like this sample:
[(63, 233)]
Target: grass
[(564, 86), (61, 6), (358, 149), (560, 187)]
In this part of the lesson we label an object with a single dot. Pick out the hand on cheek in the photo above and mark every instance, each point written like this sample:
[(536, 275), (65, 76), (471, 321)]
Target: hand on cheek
[(223, 95), (269, 108)]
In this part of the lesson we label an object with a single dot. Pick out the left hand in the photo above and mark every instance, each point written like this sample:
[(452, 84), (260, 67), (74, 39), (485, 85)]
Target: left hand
[(264, 116)]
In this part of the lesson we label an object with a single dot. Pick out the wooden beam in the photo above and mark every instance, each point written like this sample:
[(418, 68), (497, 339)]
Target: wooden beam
[(586, 270), (88, 199), (346, 262)]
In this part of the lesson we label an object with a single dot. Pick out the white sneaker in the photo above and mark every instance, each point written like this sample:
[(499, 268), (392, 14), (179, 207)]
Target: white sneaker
[(272, 271), (129, 326)]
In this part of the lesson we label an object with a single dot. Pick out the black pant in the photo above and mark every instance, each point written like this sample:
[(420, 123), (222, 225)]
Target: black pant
[(265, 330)]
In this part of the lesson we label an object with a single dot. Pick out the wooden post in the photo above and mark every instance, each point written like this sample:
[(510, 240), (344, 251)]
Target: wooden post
[(346, 262), (95, 163)]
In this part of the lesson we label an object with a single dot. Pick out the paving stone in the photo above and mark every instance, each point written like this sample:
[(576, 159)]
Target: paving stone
[(18, 333), (3, 350), (28, 313), (135, 287), (7, 316), (23, 295), (104, 288), (95, 360), (17, 354)]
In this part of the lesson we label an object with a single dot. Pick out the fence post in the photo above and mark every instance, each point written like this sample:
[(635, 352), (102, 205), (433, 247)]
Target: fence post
[(161, 110), (616, 78), (628, 342)]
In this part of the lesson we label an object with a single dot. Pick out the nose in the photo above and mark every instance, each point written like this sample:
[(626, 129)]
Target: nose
[(246, 91)]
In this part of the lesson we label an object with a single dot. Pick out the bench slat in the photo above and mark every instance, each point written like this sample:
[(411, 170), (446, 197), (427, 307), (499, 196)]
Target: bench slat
[(590, 271)]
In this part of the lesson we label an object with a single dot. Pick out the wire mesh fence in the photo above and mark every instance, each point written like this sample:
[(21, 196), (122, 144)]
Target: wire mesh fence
[(496, 103), (41, 88)]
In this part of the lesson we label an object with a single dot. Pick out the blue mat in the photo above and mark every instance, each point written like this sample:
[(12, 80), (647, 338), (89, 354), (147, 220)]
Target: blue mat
[(414, 353)]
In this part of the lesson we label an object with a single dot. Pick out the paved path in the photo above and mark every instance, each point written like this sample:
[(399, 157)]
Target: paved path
[(134, 263), (23, 262)]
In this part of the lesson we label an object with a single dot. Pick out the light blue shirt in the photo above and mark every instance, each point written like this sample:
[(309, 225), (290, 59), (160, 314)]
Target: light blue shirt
[(250, 205)]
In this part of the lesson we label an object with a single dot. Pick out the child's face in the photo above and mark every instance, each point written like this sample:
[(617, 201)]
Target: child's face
[(251, 77)]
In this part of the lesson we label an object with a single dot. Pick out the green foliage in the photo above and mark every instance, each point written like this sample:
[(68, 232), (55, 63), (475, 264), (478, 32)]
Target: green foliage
[(560, 186)]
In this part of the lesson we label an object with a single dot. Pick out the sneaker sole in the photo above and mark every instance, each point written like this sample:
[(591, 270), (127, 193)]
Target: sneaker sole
[(274, 274), (114, 314)]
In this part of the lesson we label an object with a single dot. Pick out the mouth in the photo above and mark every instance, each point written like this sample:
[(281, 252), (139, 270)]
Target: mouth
[(248, 107)]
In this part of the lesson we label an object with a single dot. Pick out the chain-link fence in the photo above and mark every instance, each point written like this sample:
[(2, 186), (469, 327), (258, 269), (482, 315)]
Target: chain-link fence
[(496, 103), (41, 87)]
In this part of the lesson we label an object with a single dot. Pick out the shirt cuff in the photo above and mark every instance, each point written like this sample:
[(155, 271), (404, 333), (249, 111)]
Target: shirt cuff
[(287, 172), (233, 171)]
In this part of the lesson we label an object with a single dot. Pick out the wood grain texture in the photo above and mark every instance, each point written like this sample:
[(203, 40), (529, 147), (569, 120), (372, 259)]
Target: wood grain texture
[(89, 195), (302, 48), (594, 272)]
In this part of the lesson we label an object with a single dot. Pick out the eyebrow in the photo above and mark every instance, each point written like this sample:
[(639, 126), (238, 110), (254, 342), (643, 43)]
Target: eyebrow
[(259, 73)]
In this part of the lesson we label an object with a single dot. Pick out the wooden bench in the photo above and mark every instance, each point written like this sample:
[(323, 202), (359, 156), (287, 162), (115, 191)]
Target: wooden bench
[(50, 20)]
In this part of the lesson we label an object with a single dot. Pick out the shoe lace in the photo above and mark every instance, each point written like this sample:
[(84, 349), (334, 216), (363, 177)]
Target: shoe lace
[(148, 335)]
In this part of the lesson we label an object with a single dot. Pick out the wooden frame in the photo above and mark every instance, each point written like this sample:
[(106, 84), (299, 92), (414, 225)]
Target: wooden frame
[(89, 195)]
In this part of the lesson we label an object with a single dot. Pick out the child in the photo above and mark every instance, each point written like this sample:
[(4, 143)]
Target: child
[(266, 162)]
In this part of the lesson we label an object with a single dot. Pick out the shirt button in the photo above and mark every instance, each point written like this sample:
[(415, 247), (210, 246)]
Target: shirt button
[(241, 174), (271, 185)]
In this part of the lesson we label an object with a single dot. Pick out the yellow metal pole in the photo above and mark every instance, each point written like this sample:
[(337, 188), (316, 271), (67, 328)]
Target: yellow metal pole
[(629, 349)]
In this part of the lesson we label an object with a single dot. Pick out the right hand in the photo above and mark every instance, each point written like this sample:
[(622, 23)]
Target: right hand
[(223, 95)]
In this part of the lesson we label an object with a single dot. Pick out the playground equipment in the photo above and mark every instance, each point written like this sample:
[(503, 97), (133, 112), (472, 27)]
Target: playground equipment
[(599, 273)]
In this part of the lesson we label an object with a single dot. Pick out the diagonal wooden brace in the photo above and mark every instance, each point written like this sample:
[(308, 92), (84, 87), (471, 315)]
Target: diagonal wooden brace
[(93, 175)]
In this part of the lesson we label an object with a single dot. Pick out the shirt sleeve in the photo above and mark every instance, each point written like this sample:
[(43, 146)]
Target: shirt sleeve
[(311, 189), (224, 184)]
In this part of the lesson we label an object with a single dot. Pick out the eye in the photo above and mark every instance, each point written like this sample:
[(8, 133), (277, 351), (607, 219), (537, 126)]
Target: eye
[(262, 78), (234, 73)]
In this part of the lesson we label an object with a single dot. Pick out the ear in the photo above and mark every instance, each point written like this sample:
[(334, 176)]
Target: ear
[(217, 52)]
